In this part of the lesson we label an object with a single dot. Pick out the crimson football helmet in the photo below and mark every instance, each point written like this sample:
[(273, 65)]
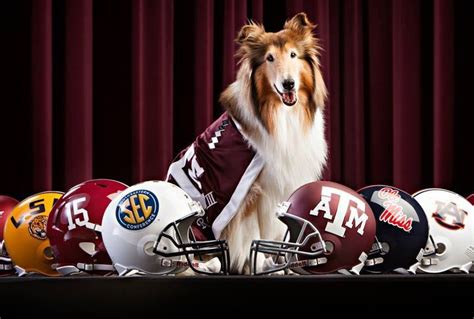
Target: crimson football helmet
[(6, 206), (330, 228), (470, 198), (74, 227)]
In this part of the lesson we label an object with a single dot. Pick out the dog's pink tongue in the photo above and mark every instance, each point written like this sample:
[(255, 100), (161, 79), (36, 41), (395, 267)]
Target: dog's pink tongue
[(289, 97)]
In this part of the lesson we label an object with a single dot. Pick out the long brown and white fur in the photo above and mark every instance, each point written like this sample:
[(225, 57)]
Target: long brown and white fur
[(290, 139)]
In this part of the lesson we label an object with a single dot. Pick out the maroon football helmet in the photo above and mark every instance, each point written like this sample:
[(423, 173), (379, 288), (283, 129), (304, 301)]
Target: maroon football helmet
[(330, 228), (74, 227), (6, 206), (470, 198)]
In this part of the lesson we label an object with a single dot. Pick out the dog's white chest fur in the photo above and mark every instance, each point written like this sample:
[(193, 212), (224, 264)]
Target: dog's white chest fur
[(292, 157)]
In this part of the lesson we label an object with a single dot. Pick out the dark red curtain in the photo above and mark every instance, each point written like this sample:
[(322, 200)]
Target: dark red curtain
[(115, 88)]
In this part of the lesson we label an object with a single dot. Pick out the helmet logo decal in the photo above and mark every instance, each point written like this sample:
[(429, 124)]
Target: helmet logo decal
[(393, 213), (137, 209), (449, 215), (37, 227), (346, 203), (36, 206)]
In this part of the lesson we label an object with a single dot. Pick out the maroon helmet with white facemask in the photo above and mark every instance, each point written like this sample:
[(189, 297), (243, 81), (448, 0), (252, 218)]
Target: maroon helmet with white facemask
[(330, 228)]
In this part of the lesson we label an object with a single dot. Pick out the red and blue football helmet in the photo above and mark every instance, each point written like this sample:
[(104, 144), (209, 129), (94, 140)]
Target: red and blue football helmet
[(470, 198), (402, 230)]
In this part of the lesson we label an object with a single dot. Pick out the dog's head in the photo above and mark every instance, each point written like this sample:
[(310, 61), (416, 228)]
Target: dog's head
[(284, 66)]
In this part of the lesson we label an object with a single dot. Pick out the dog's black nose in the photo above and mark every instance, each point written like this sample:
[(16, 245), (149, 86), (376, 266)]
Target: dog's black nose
[(289, 84)]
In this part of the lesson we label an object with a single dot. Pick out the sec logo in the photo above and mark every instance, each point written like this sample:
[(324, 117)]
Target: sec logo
[(137, 210)]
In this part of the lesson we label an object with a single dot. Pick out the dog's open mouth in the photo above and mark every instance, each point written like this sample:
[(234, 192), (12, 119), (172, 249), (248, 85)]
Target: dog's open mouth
[(288, 98)]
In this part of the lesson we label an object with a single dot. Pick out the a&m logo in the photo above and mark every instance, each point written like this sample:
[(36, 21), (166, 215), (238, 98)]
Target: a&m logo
[(449, 215), (137, 210), (348, 204)]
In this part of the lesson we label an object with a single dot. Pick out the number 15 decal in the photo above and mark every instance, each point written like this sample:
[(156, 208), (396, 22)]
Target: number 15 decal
[(77, 216)]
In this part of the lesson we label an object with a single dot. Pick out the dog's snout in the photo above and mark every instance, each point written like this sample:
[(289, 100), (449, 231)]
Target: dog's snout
[(288, 84)]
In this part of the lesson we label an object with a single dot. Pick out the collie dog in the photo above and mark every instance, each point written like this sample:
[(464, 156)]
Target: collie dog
[(277, 102)]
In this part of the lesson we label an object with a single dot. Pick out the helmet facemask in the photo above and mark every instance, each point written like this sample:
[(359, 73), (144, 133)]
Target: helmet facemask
[(376, 253), (5, 260), (177, 240), (289, 253)]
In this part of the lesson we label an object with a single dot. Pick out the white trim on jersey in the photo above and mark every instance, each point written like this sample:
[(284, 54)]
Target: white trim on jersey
[(176, 171), (232, 207)]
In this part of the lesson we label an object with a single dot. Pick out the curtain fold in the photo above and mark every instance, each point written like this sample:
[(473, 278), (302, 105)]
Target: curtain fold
[(443, 93), (353, 128), (114, 89), (41, 92), (203, 63), (78, 125), (152, 65), (406, 72), (379, 156)]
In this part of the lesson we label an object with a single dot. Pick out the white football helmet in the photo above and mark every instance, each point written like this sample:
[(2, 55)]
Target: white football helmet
[(147, 228), (451, 220)]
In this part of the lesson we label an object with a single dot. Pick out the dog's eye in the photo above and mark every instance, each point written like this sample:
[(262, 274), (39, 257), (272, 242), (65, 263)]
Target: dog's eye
[(293, 54), (270, 58)]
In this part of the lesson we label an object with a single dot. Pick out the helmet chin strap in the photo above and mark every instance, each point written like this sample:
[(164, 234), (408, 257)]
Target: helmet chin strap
[(376, 252), (466, 267), (21, 272), (211, 266), (82, 267), (429, 253), (5, 267)]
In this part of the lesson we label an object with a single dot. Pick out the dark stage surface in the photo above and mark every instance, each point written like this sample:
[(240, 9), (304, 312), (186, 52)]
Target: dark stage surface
[(394, 295)]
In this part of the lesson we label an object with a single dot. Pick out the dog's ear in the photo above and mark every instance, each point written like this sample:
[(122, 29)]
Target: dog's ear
[(300, 23), (249, 32)]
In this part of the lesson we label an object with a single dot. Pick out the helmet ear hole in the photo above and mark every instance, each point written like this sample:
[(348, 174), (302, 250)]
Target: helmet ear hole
[(441, 249), (148, 248), (329, 247), (385, 248), (48, 253)]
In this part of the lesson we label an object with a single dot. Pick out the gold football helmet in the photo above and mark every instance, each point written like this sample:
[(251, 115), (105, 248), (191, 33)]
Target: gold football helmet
[(25, 235)]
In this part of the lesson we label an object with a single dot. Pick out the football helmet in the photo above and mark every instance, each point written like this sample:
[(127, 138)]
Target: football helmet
[(147, 228), (6, 206), (74, 227), (470, 198), (25, 235), (330, 228), (451, 220), (402, 230)]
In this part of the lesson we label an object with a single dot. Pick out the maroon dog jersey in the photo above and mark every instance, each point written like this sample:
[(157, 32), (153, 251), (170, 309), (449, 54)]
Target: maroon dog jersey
[(217, 170)]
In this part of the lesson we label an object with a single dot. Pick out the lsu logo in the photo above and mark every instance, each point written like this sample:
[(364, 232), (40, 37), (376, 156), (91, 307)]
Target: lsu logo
[(37, 227), (137, 209), (449, 215)]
